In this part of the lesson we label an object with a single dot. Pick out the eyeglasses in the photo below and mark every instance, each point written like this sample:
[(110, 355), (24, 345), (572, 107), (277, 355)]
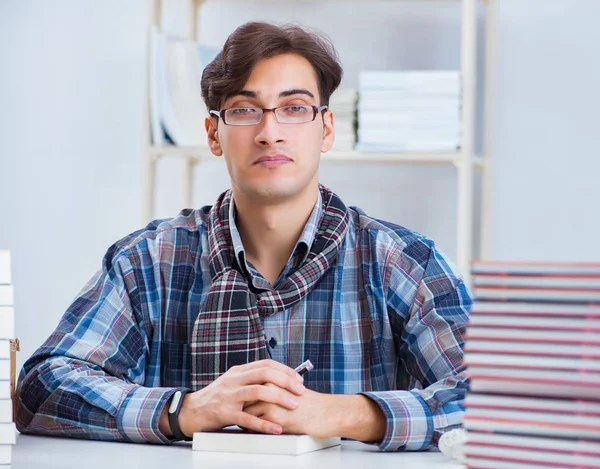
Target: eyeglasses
[(296, 114)]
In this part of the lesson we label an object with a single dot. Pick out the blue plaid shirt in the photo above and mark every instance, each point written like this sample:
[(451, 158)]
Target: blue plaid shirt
[(386, 321)]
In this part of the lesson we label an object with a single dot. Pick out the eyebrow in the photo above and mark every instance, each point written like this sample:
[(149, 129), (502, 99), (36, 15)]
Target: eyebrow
[(283, 94)]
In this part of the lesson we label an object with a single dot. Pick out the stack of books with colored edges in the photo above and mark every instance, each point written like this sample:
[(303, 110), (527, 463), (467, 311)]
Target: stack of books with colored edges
[(533, 357), (409, 111), (343, 105), (7, 332)]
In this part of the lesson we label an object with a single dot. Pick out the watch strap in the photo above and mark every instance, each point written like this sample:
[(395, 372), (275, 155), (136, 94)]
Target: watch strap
[(173, 412)]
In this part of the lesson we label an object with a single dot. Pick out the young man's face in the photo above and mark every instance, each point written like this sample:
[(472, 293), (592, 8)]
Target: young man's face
[(272, 160)]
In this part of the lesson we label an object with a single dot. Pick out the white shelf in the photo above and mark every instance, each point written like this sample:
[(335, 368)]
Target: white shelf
[(200, 154)]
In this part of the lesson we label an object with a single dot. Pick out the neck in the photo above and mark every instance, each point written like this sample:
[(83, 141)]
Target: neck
[(269, 232)]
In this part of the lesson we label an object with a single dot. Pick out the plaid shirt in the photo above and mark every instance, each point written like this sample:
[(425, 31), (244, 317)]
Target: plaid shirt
[(386, 321)]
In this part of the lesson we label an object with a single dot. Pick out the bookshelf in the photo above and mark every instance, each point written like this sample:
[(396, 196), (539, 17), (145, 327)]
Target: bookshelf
[(464, 160)]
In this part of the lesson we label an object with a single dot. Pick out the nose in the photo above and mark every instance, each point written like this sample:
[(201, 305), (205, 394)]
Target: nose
[(270, 131)]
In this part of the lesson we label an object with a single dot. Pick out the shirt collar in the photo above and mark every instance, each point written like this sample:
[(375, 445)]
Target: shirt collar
[(303, 244)]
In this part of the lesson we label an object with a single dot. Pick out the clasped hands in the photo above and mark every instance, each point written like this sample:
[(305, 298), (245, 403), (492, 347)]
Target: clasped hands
[(264, 396)]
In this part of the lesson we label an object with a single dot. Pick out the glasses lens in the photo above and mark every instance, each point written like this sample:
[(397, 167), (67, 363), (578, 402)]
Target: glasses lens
[(295, 114), (243, 116)]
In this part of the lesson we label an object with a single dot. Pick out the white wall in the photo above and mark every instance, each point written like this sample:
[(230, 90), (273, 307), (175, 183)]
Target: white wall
[(71, 94), (547, 132)]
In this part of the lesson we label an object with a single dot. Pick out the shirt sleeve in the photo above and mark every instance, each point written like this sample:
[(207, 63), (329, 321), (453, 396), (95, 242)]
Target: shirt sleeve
[(431, 350), (87, 378)]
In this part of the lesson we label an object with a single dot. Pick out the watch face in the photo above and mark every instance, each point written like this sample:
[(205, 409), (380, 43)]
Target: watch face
[(175, 402)]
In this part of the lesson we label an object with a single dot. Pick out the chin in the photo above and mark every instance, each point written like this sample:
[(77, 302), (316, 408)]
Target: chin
[(273, 191)]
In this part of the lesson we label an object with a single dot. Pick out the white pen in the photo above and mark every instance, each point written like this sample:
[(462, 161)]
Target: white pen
[(304, 367)]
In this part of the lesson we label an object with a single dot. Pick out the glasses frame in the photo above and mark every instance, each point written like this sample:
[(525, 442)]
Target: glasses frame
[(221, 114)]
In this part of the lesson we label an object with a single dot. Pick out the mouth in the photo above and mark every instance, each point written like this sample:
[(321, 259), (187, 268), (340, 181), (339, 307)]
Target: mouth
[(271, 161)]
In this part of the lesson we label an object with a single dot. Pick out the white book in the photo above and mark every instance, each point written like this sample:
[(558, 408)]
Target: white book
[(537, 281), (368, 94), (434, 106), (533, 423), (5, 454), (500, 385), (535, 309), (448, 147), (5, 349), (484, 463), (238, 441), (535, 349), (5, 388), (533, 404), (505, 360), (536, 268), (535, 323), (8, 434), (417, 80), (527, 335), (6, 295), (4, 369), (537, 294), (415, 119), (558, 445), (6, 411), (404, 135), (543, 458), (7, 322), (5, 277)]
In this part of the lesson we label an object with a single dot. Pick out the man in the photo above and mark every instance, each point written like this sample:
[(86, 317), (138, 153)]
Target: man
[(196, 323)]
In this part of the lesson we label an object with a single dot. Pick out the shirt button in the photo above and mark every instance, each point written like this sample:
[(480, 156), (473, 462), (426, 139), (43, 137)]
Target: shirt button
[(272, 342)]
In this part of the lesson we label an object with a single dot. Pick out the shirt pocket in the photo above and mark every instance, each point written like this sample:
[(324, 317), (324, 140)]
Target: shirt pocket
[(176, 360)]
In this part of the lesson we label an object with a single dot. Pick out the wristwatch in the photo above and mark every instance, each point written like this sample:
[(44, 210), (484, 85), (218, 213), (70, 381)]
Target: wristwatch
[(173, 412)]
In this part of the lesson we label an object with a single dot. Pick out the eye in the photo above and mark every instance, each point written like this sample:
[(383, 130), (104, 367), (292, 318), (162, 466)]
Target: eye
[(297, 109), (243, 111)]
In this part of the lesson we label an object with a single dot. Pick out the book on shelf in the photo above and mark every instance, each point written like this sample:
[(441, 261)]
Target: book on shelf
[(417, 81), (409, 110), (235, 440)]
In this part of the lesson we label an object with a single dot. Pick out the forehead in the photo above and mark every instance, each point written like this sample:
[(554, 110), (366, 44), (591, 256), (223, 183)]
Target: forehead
[(283, 72)]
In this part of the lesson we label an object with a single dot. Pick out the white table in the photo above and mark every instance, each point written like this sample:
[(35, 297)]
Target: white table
[(37, 452)]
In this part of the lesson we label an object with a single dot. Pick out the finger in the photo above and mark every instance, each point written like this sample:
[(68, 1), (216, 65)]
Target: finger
[(271, 394), (268, 363), (271, 376), (258, 409), (253, 423)]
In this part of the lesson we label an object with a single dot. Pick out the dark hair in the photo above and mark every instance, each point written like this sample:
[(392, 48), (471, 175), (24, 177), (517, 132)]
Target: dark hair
[(227, 74)]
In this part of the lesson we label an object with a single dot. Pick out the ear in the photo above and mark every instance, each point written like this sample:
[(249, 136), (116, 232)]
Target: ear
[(328, 132), (210, 124)]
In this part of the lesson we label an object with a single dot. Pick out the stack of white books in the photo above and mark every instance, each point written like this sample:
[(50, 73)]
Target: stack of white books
[(533, 358), (7, 332), (177, 111), (343, 105), (409, 111)]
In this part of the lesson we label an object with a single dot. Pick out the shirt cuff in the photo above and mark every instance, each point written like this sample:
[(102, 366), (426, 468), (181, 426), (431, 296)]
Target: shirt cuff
[(139, 415), (409, 423)]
